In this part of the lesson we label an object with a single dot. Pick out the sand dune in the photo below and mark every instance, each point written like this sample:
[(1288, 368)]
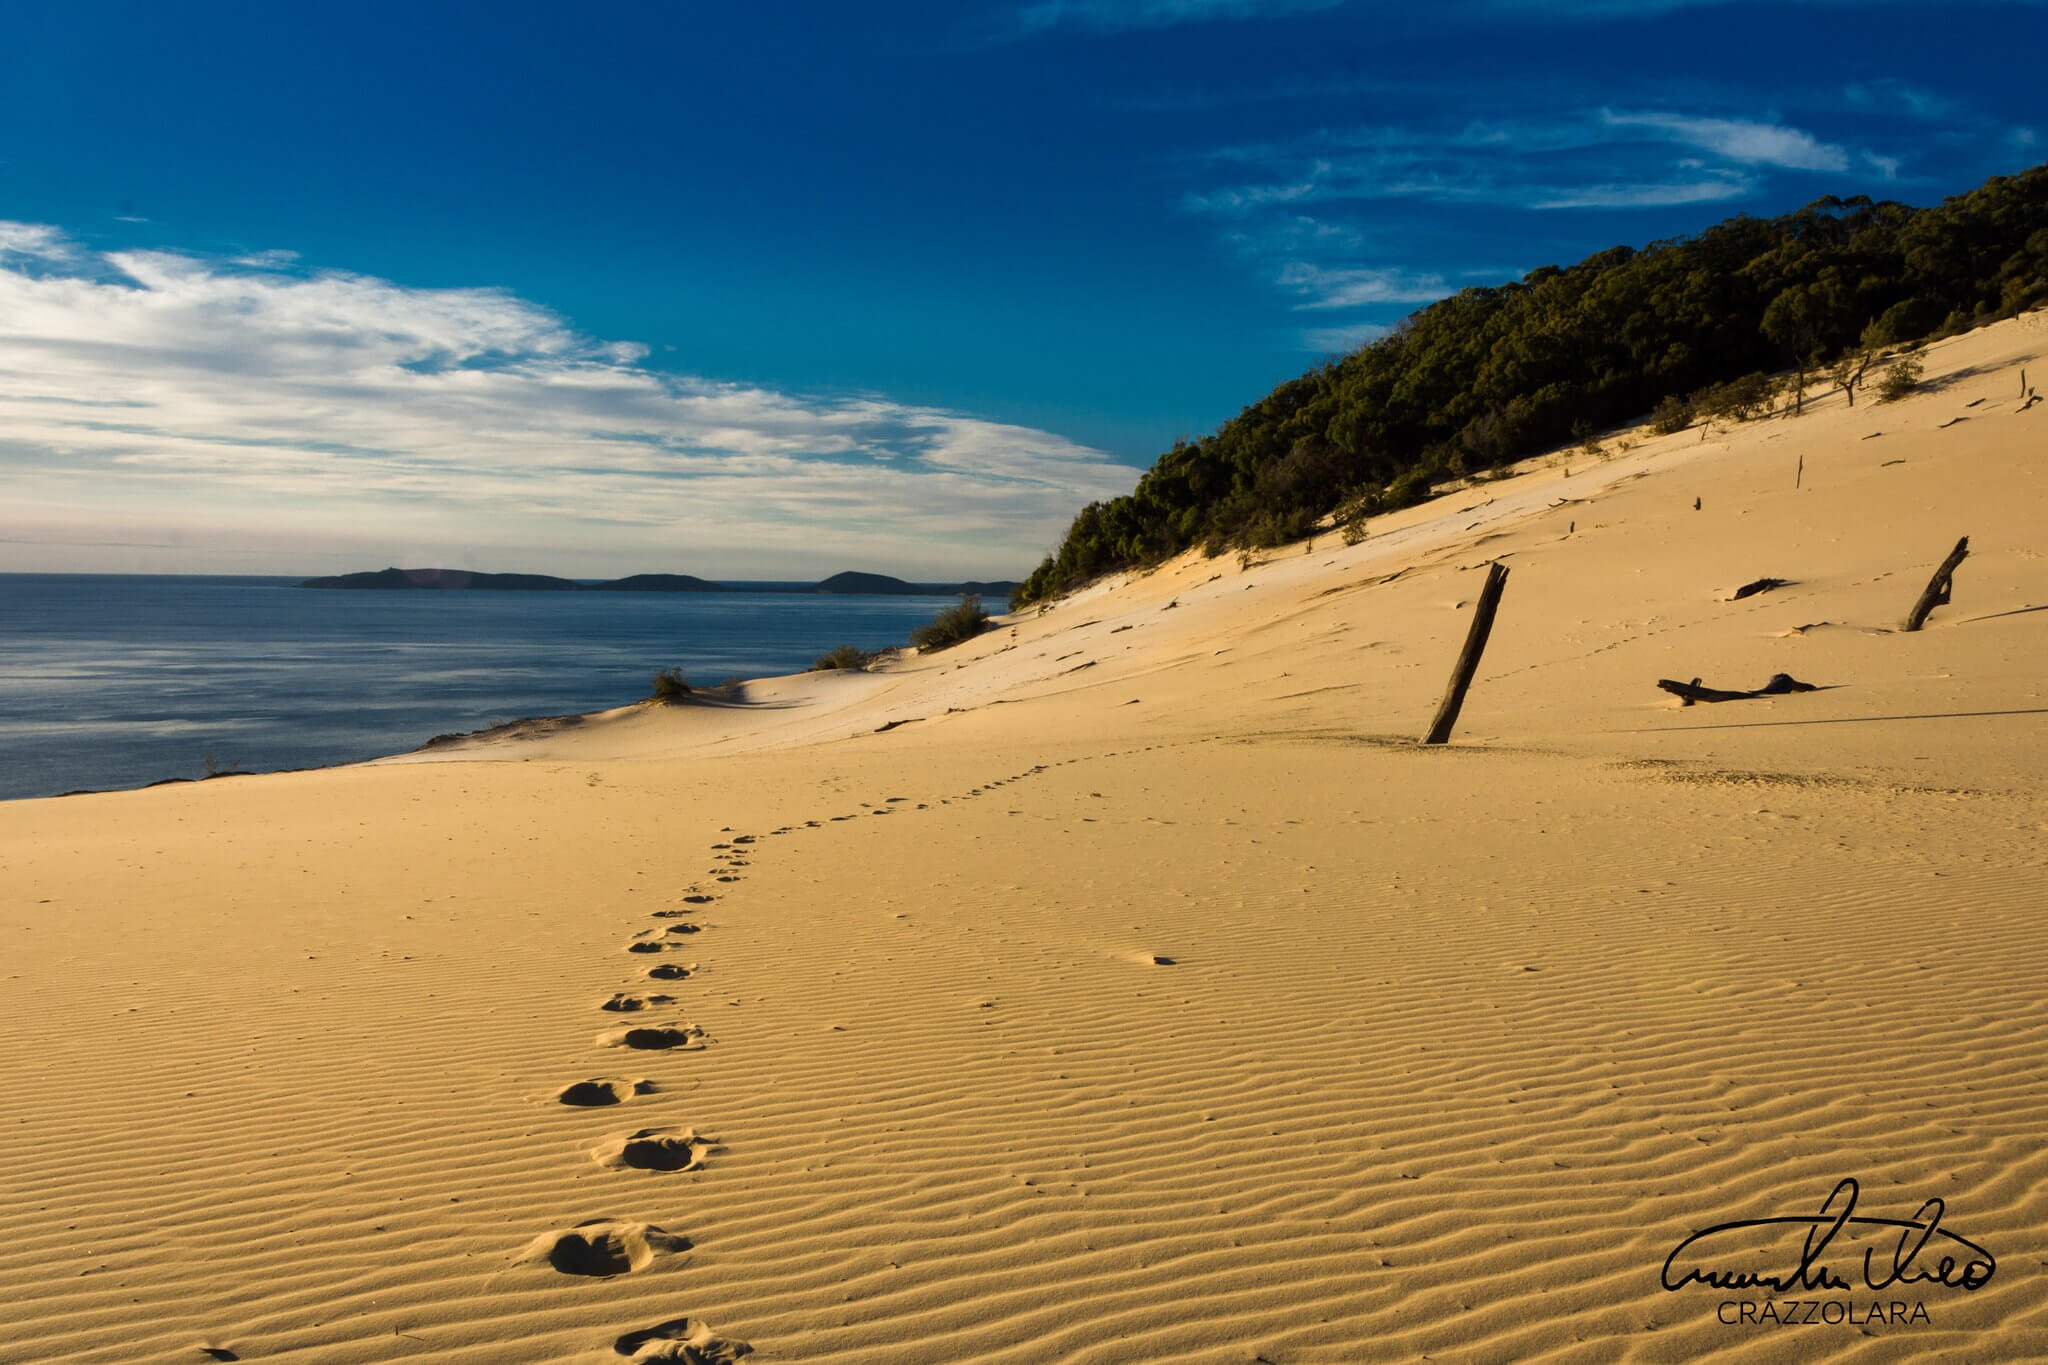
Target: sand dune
[(1123, 985)]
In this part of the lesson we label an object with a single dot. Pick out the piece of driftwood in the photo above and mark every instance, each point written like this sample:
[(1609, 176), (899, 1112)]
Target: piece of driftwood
[(1760, 585), (1779, 685), (1468, 657), (1936, 593)]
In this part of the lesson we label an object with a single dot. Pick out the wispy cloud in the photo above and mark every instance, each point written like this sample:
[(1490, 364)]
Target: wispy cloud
[(1601, 158), (1340, 340), (1745, 142), (1889, 95), (1643, 196), (33, 242), (1320, 286), (141, 390), (1236, 200), (1308, 210)]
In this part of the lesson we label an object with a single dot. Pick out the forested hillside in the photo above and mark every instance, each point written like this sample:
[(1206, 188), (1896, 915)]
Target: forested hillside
[(1493, 374)]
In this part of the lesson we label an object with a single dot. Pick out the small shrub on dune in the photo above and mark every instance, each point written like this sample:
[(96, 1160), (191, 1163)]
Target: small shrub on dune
[(1354, 512), (1738, 400), (842, 656), (670, 685), (963, 621), (1899, 379), (1673, 415)]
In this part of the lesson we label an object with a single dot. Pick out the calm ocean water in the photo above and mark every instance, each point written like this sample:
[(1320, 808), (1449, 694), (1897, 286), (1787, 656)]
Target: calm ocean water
[(117, 680)]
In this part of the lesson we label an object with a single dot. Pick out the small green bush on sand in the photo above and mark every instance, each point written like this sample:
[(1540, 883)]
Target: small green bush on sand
[(962, 621), (843, 656), (670, 685), (1899, 379)]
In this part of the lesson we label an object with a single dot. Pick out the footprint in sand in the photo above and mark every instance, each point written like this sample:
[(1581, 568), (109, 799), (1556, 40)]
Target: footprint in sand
[(622, 1003), (699, 899), (647, 946), (680, 1339), (669, 971), (656, 1038), (653, 1149), (603, 1247), (602, 1091)]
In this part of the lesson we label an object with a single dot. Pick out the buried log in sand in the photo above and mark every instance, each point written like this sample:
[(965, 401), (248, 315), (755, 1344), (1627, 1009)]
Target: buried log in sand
[(1779, 685)]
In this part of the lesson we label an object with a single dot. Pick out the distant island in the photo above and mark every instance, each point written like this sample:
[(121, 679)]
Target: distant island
[(848, 584)]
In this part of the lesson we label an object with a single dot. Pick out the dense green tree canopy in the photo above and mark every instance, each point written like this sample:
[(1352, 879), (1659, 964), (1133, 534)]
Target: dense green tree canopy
[(1493, 374)]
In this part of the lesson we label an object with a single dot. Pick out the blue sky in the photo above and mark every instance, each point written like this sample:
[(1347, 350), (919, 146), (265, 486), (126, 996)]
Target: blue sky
[(763, 289)]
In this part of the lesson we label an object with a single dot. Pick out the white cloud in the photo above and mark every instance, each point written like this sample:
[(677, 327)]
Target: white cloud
[(1355, 286), (1295, 235), (154, 396), (1236, 201), (1745, 142), (1642, 196), (1889, 95), (1341, 340), (1600, 158), (33, 241)]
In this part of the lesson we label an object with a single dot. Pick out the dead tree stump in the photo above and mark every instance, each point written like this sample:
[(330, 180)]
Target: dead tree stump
[(1468, 658), (1936, 594)]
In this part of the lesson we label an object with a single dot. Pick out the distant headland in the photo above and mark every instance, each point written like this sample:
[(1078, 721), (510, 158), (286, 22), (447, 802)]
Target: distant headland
[(848, 584)]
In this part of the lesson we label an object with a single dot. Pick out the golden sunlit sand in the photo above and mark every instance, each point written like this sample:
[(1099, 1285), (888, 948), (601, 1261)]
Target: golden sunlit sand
[(1125, 984)]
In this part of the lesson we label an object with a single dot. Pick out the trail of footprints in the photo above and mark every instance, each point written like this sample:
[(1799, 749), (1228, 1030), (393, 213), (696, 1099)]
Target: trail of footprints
[(604, 1247)]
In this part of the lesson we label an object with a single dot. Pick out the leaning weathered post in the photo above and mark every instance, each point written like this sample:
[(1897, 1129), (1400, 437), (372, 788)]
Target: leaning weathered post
[(1936, 593), (1468, 658)]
